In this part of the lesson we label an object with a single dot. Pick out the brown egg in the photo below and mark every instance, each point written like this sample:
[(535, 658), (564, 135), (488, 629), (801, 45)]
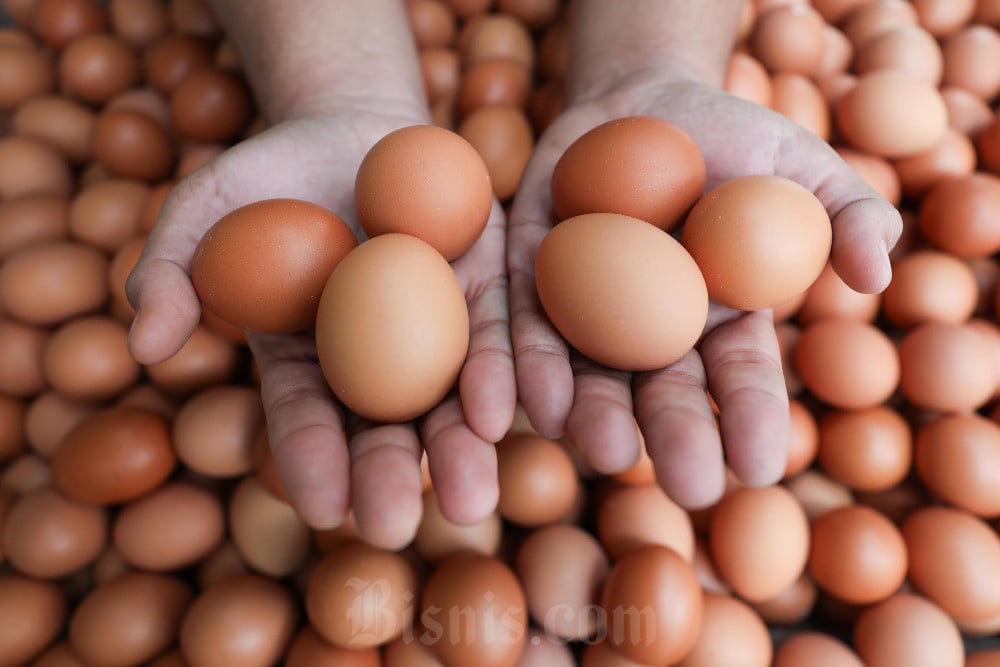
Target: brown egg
[(847, 363), (371, 588), (408, 182), (956, 214), (172, 59), (121, 265), (59, 655), (264, 265), (210, 105), (798, 98), (503, 138), (12, 438), (130, 144), (439, 68), (631, 516), (538, 482), (987, 146), (145, 100), (533, 14), (732, 633), (875, 17), (26, 73), (222, 563), (30, 166), (408, 652), (829, 296), (604, 655), (267, 532), (759, 540), (365, 313), (194, 156), (498, 36), (789, 39), (908, 48), (31, 220), (106, 214), (652, 606), (32, 614), (138, 22), (128, 620), (788, 336), (877, 171), (562, 569), (308, 649), (432, 23), (60, 121), (493, 81), (953, 155), (803, 440), (47, 535), (24, 474), (816, 649), (944, 18), (892, 114), (95, 67), (247, 620), (642, 167), (954, 456), (983, 657), (744, 266), (193, 17), (966, 113), (970, 61), (50, 417), (171, 528), (954, 559), (867, 449), (88, 359), (214, 430), (58, 22), (835, 86), (930, 286), (838, 52), (746, 78), (857, 555), (49, 283), (791, 606), (639, 303), (907, 629), (206, 359), (22, 349), (946, 366), (437, 537)]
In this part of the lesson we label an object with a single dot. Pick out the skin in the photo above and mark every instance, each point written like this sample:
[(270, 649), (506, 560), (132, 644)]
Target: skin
[(668, 59), (327, 101)]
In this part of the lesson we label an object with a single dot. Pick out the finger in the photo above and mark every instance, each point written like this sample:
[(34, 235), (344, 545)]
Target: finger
[(601, 425), (487, 385), (305, 428), (386, 484), (463, 466), (682, 437), (167, 310), (744, 375)]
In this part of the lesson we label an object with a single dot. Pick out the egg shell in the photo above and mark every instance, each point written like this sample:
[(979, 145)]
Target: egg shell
[(538, 482), (817, 649), (131, 144), (930, 285), (95, 67), (47, 535), (759, 541), (621, 291), (32, 614), (945, 366), (263, 266), (653, 607), (194, 17), (956, 214), (954, 558), (22, 350), (432, 22), (803, 439), (631, 516), (639, 166), (953, 155), (392, 329), (268, 533), (214, 430), (115, 455), (62, 122), (58, 22), (908, 48), (26, 73), (868, 449), (58, 654), (437, 537), (308, 649), (25, 473), (789, 39), (562, 569), (732, 633), (504, 139), (138, 22), (210, 105), (224, 562), (970, 61), (796, 97), (30, 220), (205, 360), (171, 59), (907, 629), (877, 172), (408, 652), (373, 589), (247, 620), (791, 606), (31, 166), (88, 358), (954, 456), (490, 601), (817, 493), (106, 214), (829, 296), (428, 182), (747, 79), (128, 620), (874, 18), (893, 114)]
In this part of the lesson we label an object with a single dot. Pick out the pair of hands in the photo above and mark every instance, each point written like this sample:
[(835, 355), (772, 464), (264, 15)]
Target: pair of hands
[(330, 461)]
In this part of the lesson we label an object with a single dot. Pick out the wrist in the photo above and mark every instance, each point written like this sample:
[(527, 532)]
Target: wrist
[(613, 77)]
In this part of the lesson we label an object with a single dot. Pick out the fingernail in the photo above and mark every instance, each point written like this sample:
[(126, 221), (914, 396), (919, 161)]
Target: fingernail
[(886, 264)]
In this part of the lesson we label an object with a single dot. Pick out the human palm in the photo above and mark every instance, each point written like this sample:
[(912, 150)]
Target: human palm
[(737, 360), (329, 461)]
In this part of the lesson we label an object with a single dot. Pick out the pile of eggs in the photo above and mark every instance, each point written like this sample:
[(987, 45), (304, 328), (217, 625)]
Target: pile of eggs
[(141, 518)]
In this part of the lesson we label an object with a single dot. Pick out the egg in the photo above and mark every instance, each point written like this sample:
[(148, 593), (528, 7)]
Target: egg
[(747, 79), (621, 291), (392, 330), (954, 456), (171, 59), (759, 541), (953, 155), (138, 22), (22, 351), (205, 360), (817, 649), (868, 449), (731, 634), (88, 358), (908, 48), (503, 138), (907, 629), (263, 266), (131, 144), (791, 606), (491, 601), (58, 22), (954, 215), (50, 417), (210, 105), (31, 166), (60, 121), (796, 97), (789, 39), (308, 649), (642, 167), (32, 219), (32, 614), (653, 607), (361, 596), (929, 285), (537, 478), (106, 214), (631, 516), (968, 60), (95, 67), (946, 366), (758, 240), (214, 430), (437, 537), (26, 73), (829, 296), (268, 533), (870, 19)]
